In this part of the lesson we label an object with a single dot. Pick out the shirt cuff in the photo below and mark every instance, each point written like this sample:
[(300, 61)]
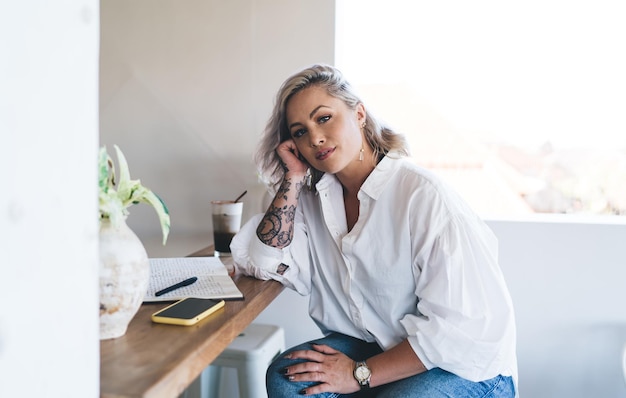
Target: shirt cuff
[(411, 329), (265, 257)]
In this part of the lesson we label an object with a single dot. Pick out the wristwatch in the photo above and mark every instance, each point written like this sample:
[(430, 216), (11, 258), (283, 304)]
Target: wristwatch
[(362, 374)]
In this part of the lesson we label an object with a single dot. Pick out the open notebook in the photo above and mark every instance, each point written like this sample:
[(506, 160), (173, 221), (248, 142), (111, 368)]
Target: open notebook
[(213, 279)]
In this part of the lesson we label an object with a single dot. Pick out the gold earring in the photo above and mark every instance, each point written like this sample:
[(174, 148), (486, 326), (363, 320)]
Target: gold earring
[(361, 154)]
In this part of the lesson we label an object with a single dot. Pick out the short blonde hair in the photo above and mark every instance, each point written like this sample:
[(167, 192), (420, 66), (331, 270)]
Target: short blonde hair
[(381, 138)]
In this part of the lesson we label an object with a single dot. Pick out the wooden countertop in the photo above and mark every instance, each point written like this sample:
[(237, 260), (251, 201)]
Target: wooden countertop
[(159, 360)]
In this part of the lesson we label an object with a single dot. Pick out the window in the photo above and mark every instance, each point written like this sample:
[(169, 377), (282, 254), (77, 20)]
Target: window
[(521, 106)]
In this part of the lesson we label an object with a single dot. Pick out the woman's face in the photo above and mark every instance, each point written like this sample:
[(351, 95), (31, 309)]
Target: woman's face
[(325, 130)]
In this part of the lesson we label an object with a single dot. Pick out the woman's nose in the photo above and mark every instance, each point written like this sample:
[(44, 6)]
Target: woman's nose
[(316, 139)]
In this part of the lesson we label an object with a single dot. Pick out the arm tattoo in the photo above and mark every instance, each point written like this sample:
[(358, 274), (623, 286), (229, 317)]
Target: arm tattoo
[(284, 188), (272, 231), (276, 228)]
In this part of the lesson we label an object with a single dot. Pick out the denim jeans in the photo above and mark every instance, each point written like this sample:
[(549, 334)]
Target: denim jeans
[(434, 383)]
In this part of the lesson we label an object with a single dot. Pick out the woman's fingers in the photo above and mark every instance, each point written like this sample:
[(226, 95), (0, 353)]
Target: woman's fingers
[(319, 353), (330, 368), (326, 349), (290, 156)]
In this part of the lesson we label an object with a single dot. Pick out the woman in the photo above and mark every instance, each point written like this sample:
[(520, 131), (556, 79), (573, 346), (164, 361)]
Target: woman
[(403, 277)]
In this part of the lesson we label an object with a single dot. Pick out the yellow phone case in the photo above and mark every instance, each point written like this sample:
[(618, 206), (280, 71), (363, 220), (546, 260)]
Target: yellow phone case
[(187, 311)]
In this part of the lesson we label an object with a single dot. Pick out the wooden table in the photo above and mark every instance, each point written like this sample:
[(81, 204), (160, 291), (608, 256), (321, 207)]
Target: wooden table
[(158, 360)]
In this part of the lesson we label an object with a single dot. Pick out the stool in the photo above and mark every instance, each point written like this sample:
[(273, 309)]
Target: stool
[(250, 353)]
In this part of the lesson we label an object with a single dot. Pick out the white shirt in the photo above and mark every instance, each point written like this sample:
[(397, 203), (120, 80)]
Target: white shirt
[(418, 263)]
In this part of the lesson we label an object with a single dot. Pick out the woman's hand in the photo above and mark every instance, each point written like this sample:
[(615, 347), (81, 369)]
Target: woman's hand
[(290, 156), (332, 369)]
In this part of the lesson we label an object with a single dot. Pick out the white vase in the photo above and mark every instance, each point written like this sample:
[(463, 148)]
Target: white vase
[(124, 275)]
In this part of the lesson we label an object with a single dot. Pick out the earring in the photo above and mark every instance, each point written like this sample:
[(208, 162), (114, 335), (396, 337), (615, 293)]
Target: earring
[(362, 151)]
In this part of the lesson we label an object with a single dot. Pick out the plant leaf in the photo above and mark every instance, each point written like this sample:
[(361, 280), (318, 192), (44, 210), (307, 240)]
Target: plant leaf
[(114, 201), (161, 210)]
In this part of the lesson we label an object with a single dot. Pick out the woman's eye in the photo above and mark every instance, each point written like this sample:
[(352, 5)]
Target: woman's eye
[(298, 133), (323, 119)]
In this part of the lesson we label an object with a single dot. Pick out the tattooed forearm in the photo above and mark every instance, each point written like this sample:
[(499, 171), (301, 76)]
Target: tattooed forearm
[(276, 228)]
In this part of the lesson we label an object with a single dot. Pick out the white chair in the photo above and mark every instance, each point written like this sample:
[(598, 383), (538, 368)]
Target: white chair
[(250, 354)]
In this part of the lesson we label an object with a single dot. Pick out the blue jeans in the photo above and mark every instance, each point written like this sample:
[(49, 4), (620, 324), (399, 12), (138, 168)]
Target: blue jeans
[(434, 383)]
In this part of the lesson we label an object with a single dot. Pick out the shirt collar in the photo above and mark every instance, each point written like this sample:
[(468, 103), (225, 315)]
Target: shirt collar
[(375, 183)]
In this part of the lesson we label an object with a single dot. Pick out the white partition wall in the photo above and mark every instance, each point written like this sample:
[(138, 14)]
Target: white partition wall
[(49, 338), (567, 281)]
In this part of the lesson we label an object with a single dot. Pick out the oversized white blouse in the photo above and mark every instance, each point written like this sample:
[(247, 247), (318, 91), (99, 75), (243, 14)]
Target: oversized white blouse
[(418, 264)]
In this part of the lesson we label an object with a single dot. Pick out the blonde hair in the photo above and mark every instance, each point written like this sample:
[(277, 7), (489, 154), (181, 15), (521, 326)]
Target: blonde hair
[(381, 138)]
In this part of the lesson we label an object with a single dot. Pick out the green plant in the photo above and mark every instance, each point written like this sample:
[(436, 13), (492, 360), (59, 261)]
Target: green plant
[(115, 197)]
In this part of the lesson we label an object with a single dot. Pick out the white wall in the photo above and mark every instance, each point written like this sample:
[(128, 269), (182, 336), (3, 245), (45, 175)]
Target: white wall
[(186, 90), (567, 282), (48, 208)]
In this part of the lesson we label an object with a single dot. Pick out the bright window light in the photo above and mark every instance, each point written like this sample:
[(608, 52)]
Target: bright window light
[(521, 106)]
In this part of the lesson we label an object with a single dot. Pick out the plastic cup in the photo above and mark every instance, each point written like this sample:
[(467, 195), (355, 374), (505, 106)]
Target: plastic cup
[(226, 223)]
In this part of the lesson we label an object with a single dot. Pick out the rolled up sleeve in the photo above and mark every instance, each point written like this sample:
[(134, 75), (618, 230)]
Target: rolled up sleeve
[(255, 258)]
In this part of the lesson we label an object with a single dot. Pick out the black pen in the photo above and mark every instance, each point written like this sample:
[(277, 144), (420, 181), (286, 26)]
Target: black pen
[(186, 282)]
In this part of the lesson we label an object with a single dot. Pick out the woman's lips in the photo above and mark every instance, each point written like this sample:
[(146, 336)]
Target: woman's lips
[(324, 153)]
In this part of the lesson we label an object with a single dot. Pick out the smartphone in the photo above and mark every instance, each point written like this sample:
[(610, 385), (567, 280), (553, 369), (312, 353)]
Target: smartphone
[(187, 311)]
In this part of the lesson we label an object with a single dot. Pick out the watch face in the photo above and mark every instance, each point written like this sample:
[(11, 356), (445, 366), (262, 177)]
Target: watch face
[(362, 373)]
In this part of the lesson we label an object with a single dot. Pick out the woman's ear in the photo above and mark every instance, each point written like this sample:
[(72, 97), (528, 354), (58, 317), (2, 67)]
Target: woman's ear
[(361, 115)]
